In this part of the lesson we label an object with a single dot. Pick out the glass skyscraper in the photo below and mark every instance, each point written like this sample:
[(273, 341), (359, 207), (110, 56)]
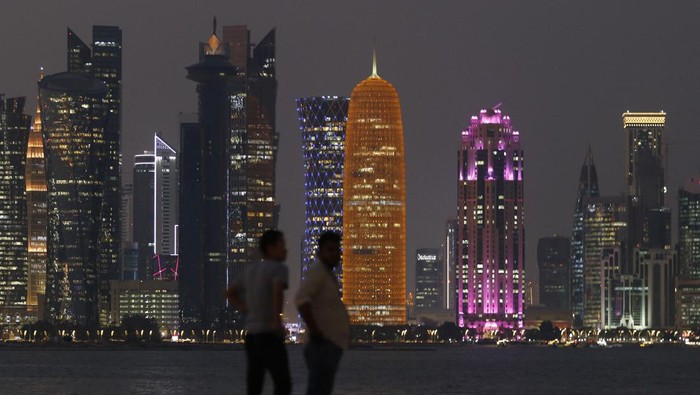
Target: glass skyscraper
[(553, 257), (587, 188), (450, 249), (604, 229), (490, 269), (429, 279), (75, 123), (374, 206), (104, 62), (646, 161), (14, 134), (689, 229), (322, 122), (155, 205)]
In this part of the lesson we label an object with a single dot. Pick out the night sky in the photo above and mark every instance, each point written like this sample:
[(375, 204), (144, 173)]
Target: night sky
[(564, 71)]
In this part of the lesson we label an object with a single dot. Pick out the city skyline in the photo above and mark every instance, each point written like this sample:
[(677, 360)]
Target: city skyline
[(669, 90)]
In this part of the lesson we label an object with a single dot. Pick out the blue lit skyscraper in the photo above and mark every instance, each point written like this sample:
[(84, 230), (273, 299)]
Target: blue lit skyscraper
[(587, 188), (322, 122)]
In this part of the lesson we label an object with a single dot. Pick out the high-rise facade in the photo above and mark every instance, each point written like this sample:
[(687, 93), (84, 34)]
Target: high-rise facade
[(604, 230), (689, 229), (214, 76), (429, 279), (322, 122), (449, 256), (155, 205), (374, 206), (143, 192), (75, 123), (35, 177), (587, 188), (490, 269), (254, 140), (104, 62), (646, 161), (553, 262), (14, 134)]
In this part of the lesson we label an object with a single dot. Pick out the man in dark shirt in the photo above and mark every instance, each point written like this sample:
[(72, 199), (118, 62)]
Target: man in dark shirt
[(259, 294)]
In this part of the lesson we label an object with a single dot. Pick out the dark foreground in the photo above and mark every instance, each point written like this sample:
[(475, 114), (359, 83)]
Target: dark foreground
[(439, 370)]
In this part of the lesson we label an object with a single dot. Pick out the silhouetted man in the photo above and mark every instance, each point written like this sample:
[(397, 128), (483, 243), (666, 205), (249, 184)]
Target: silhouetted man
[(259, 294), (326, 318)]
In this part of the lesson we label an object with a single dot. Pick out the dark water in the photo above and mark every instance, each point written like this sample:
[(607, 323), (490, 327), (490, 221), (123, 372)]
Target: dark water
[(443, 370)]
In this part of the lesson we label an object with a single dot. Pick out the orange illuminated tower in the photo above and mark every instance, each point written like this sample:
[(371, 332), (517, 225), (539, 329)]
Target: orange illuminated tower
[(374, 206), (35, 176)]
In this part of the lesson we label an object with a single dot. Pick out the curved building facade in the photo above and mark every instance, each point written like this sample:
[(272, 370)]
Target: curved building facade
[(75, 126), (322, 122), (374, 206)]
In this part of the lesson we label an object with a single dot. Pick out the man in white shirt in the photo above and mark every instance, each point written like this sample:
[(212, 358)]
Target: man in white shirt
[(323, 311), (259, 294)]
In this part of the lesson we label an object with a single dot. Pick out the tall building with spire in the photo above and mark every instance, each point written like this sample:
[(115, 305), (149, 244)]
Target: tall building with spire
[(587, 188), (155, 205), (374, 206), (230, 154), (35, 177), (75, 122), (14, 133), (490, 270), (322, 122), (214, 76)]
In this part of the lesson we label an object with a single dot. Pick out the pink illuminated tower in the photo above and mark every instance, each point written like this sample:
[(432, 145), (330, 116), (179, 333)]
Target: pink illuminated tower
[(490, 276)]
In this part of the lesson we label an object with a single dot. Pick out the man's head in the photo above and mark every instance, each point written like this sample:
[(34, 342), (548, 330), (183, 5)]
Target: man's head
[(272, 245), (329, 248)]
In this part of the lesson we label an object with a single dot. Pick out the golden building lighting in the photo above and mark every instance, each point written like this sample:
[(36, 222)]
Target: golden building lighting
[(374, 206), (35, 176)]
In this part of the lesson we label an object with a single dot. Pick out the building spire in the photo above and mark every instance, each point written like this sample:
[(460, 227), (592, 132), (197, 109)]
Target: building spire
[(374, 60), (214, 26)]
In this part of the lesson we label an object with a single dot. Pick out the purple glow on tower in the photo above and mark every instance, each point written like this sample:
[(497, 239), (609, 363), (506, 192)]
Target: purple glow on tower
[(490, 273)]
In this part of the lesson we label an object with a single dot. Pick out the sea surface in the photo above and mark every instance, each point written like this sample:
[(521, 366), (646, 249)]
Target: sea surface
[(409, 370)]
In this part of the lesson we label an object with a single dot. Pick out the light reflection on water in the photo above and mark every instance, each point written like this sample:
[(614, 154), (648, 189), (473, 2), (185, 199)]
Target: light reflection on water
[(516, 369)]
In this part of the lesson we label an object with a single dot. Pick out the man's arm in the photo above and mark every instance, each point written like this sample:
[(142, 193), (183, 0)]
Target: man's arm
[(308, 316)]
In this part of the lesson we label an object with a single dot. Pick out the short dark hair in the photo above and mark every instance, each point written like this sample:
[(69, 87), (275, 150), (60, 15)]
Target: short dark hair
[(327, 237), (269, 238)]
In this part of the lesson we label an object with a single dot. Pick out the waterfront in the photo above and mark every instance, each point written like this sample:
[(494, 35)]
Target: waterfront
[(439, 370)]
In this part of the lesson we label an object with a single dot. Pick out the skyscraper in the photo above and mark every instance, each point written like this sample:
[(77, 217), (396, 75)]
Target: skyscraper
[(155, 205), (646, 161), (14, 134), (74, 123), (587, 188), (214, 76), (35, 177), (253, 206), (144, 170), (322, 122), (553, 257), (234, 166), (104, 62), (429, 279), (604, 229), (374, 206), (191, 270), (490, 274), (689, 229)]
